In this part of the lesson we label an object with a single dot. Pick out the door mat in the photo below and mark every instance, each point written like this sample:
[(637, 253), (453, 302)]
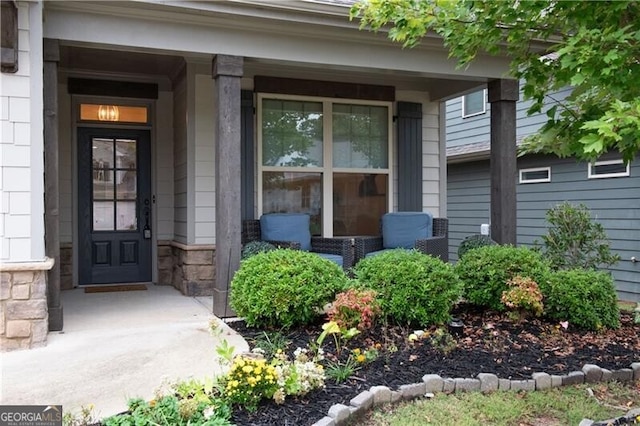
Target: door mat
[(110, 288)]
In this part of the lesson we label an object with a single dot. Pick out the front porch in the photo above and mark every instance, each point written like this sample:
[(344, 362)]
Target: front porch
[(116, 346)]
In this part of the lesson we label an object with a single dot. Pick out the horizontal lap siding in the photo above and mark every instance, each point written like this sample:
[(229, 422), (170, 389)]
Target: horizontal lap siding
[(613, 202)]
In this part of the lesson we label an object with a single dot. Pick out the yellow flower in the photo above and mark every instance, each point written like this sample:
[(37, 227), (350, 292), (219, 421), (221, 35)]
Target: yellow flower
[(356, 351), (258, 370), (361, 358), (247, 369)]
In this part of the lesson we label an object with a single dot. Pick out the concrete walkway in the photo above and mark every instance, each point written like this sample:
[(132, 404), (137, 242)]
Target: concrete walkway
[(116, 346)]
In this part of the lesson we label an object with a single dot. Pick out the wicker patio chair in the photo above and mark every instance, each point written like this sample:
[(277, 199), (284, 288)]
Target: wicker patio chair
[(437, 245), (251, 231)]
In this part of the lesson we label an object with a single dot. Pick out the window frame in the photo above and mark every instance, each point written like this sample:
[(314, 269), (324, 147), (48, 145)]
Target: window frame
[(327, 169), (484, 104), (592, 175), (524, 180)]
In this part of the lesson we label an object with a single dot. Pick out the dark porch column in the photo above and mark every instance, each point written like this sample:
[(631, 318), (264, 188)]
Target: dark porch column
[(503, 95), (227, 71), (51, 189)]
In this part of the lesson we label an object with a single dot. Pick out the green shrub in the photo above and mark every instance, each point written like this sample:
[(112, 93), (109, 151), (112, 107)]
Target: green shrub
[(255, 247), (284, 287), (412, 288), (474, 241), (585, 298), (486, 270), (575, 241)]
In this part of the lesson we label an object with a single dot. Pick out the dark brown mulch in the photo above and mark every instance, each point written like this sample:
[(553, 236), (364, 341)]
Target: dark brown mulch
[(491, 343)]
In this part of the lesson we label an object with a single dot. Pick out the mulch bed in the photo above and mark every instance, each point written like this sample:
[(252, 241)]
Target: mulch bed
[(491, 343)]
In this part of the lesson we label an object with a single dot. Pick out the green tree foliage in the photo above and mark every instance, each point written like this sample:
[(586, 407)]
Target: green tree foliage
[(592, 46), (575, 241)]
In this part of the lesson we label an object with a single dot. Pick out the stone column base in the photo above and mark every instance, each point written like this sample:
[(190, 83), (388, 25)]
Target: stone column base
[(193, 268), (24, 318)]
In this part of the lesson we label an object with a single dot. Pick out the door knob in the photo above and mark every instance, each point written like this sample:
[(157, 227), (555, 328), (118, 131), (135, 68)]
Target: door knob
[(633, 259)]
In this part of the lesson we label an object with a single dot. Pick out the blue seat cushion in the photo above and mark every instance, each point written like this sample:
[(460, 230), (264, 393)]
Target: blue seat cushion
[(332, 257), (286, 227), (402, 229), (375, 253)]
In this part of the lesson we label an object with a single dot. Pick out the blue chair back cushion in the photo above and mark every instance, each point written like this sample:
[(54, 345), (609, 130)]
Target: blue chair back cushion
[(336, 258), (286, 227), (402, 229)]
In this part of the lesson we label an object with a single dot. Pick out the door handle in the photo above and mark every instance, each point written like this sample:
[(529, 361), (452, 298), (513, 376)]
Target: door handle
[(633, 259)]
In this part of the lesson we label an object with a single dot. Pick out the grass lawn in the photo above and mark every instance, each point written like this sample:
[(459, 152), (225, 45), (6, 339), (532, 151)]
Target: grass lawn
[(559, 406)]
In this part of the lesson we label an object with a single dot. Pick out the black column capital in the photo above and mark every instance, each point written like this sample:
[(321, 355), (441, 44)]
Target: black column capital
[(503, 90), (227, 65)]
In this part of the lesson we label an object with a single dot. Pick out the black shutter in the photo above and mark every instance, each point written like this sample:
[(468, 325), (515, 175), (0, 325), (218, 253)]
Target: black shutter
[(409, 156), (247, 154)]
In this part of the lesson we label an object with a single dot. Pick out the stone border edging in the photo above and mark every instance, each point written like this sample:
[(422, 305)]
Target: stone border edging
[(340, 414)]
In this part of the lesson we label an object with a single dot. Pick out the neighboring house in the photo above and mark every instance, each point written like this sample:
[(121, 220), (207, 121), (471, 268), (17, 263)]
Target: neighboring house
[(609, 188), (136, 136)]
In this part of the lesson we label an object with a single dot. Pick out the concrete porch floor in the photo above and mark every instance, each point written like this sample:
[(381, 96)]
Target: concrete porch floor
[(116, 346)]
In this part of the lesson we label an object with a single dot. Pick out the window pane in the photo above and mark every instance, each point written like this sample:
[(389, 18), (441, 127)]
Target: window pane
[(102, 190), (291, 133), (359, 201), (474, 103), (126, 154), (126, 187), (103, 216), (126, 216), (285, 192), (360, 136)]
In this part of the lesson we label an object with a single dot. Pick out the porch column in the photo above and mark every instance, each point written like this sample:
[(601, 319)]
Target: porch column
[(503, 95), (51, 189), (227, 72)]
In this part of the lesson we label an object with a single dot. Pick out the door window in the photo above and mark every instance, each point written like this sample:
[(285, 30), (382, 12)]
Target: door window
[(114, 194)]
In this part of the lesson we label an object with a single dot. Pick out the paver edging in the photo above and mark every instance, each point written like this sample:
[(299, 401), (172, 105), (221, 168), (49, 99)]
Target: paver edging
[(433, 383)]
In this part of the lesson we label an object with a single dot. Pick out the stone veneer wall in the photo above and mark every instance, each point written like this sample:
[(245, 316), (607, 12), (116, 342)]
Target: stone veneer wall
[(193, 270), (66, 266), (24, 317)]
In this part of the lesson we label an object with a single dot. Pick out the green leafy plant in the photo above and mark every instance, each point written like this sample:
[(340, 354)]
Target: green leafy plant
[(354, 308), (523, 297), (83, 418), (225, 350), (443, 341), (485, 272), (270, 342), (254, 247), (585, 298), (474, 241), (574, 240), (340, 371), (412, 288), (283, 287)]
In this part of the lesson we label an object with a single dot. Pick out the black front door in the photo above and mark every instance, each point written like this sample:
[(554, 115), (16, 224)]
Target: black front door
[(114, 202)]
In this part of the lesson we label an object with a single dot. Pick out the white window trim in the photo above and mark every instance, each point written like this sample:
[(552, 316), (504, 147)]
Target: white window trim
[(592, 175), (535, 169), (484, 105), (327, 169)]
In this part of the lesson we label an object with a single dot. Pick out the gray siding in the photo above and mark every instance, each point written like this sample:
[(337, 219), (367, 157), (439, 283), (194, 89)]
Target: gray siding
[(462, 131), (614, 202)]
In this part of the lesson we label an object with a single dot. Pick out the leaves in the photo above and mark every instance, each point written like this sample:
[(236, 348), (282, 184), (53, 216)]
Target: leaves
[(592, 46)]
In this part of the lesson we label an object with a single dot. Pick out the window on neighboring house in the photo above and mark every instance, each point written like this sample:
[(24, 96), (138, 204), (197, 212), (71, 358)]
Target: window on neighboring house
[(474, 103), (327, 158), (535, 175), (608, 169)]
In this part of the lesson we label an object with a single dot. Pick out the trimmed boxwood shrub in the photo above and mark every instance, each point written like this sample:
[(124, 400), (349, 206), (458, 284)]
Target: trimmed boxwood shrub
[(284, 287), (474, 241), (412, 288), (585, 298), (486, 270)]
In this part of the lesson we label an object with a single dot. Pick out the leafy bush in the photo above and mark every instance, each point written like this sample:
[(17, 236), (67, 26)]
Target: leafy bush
[(412, 288), (575, 241), (474, 241), (354, 308), (585, 298), (284, 287), (486, 270), (255, 247), (523, 297)]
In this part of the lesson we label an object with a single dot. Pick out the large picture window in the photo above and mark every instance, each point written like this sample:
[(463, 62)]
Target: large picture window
[(327, 158)]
